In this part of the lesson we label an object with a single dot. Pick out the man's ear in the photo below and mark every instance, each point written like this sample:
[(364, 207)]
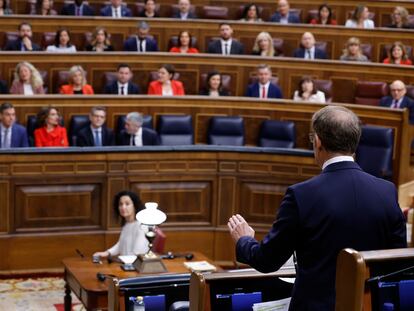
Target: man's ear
[(318, 143)]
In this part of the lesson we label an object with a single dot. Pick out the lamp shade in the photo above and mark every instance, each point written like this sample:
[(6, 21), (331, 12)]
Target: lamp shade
[(151, 215)]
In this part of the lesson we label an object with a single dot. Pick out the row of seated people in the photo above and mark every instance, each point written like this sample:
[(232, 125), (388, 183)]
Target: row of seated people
[(172, 130), (360, 17), (226, 44)]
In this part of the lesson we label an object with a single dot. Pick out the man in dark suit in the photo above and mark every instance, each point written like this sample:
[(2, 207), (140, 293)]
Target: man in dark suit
[(142, 41), (79, 8), (123, 85), (12, 135), (340, 208), (282, 14), (307, 49), (24, 43), (184, 10), (263, 88), (96, 134), (226, 45), (116, 10), (136, 135), (398, 99)]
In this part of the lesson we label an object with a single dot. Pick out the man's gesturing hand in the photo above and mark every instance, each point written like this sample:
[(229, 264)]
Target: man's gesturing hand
[(239, 227)]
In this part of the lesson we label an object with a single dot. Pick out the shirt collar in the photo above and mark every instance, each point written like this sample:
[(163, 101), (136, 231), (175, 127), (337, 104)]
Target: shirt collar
[(139, 132), (264, 85), (336, 160), (99, 129)]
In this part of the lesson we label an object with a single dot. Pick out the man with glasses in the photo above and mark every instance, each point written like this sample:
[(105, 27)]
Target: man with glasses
[(398, 99), (96, 134)]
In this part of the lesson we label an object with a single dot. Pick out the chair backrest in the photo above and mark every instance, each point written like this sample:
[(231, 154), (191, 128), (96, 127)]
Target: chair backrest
[(215, 12), (176, 130), (410, 91), (226, 131), (174, 42), (375, 151), (62, 77), (278, 45), (77, 122), (323, 45), (325, 86), (225, 81), (279, 134), (120, 124), (370, 93), (48, 38), (366, 49)]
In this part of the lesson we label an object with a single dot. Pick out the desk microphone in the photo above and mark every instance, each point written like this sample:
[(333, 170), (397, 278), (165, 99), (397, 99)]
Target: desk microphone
[(103, 276), (171, 255)]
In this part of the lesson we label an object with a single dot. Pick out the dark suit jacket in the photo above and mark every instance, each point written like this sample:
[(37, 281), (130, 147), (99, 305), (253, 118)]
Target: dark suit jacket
[(273, 92), (3, 87), (16, 45), (18, 136), (69, 9), (342, 207), (189, 16), (292, 18), (85, 137), (113, 88), (130, 45), (300, 53), (407, 102), (149, 138), (107, 11), (214, 47)]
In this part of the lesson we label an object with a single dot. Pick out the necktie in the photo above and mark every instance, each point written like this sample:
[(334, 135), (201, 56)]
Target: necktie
[(132, 140), (309, 54), (6, 142), (394, 103), (226, 49), (122, 90), (263, 92), (141, 45), (98, 140)]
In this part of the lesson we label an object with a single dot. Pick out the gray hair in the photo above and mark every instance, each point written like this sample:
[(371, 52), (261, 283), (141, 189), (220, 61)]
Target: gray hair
[(135, 117), (97, 108), (338, 128)]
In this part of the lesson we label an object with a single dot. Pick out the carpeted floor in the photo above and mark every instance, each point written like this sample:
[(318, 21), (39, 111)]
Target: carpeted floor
[(34, 294)]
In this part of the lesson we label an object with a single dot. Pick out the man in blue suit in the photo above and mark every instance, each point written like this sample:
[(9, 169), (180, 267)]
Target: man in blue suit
[(116, 10), (263, 88), (24, 42), (340, 208), (227, 45), (398, 99), (282, 14), (12, 135), (123, 85), (307, 49), (78, 8), (136, 135), (142, 41)]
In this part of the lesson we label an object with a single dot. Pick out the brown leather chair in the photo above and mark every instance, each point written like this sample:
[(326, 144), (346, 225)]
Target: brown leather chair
[(48, 38), (323, 45), (325, 86), (278, 45), (61, 77), (174, 42), (140, 7), (225, 82), (108, 77), (410, 19), (387, 47), (366, 49), (410, 91), (297, 12), (45, 78), (370, 93), (215, 12), (10, 36)]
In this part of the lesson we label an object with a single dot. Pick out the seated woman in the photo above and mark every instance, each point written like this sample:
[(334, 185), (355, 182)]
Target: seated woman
[(324, 16), (307, 92), (165, 85), (49, 133), (132, 240), (62, 42), (359, 18), (44, 8), (263, 45), (149, 9), (353, 52), (397, 55), (399, 18), (251, 13), (100, 41), (27, 80), (213, 85), (77, 82), (184, 43), (4, 8)]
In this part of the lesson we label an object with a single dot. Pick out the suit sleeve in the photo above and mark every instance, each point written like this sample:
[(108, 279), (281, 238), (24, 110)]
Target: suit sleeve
[(111, 138), (81, 140), (278, 92), (24, 140), (128, 12), (249, 91), (210, 48), (278, 245)]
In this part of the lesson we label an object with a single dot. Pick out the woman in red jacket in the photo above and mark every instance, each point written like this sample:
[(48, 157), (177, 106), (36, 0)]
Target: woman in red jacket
[(184, 44), (397, 55), (165, 85), (77, 83), (50, 133)]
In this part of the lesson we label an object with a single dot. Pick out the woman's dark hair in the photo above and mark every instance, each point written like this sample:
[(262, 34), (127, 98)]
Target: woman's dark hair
[(179, 38), (57, 37), (39, 6), (303, 80), (107, 42), (247, 8), (209, 76), (134, 198), (43, 114), (324, 5), (170, 69), (404, 55), (356, 15), (4, 5)]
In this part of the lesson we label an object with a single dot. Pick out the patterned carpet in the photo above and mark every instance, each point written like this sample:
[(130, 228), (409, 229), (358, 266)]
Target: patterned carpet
[(37, 294)]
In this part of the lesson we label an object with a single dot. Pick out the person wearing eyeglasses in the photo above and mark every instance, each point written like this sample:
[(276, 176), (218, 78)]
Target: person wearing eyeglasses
[(398, 99)]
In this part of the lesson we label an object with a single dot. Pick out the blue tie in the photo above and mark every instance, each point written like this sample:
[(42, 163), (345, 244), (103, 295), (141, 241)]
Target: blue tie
[(98, 140)]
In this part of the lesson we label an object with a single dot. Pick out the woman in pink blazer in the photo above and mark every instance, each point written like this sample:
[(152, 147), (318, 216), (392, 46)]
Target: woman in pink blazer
[(165, 85)]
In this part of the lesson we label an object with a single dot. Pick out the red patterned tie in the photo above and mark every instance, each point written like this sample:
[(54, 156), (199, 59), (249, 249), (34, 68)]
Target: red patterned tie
[(263, 92)]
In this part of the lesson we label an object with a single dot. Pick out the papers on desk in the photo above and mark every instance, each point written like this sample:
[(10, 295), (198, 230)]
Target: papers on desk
[(199, 266), (128, 259), (277, 305)]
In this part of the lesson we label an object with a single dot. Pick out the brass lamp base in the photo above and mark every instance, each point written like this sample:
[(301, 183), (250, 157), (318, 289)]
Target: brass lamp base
[(149, 263)]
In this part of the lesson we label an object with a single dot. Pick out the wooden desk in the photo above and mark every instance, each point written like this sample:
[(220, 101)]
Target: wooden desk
[(80, 278)]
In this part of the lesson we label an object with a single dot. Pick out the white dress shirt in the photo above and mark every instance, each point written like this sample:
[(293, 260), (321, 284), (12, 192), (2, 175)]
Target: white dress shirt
[(266, 86), (55, 49), (137, 138), (312, 53), (116, 12), (27, 89), (141, 47), (183, 15), (336, 160), (5, 139), (125, 88), (223, 46), (368, 24)]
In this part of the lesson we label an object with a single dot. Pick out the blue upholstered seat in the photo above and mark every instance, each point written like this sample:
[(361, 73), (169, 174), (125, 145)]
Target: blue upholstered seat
[(226, 131), (77, 122), (280, 134), (176, 130)]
